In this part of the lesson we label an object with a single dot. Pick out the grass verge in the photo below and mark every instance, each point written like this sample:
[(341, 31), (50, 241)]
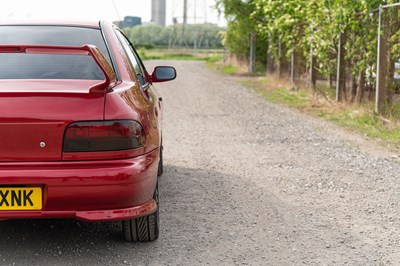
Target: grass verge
[(358, 118)]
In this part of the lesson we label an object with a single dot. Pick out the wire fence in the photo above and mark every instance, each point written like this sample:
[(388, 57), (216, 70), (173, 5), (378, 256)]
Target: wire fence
[(363, 63)]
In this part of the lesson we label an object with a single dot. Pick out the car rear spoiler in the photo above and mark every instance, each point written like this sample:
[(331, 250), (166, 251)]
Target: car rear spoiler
[(86, 50)]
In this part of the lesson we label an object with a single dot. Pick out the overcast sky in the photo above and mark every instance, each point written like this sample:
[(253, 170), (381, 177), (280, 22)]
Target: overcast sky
[(202, 10)]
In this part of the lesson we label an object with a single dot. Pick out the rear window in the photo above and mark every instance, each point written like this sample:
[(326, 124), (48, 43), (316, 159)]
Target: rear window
[(50, 66)]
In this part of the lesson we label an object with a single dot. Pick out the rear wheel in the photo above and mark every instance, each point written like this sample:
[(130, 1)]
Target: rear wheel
[(142, 229)]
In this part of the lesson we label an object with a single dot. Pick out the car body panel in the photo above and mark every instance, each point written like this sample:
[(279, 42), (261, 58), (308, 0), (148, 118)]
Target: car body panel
[(91, 186), (70, 187), (25, 120), (132, 95)]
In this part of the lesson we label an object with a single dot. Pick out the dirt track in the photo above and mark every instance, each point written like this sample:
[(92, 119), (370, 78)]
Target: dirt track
[(245, 182)]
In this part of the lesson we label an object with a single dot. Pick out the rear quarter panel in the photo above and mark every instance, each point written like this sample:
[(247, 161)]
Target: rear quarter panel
[(128, 100)]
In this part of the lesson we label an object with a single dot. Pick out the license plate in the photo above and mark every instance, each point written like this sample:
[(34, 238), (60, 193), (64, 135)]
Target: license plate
[(15, 199)]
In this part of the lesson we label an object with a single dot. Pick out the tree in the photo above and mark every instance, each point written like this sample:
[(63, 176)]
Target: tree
[(308, 32), (199, 35)]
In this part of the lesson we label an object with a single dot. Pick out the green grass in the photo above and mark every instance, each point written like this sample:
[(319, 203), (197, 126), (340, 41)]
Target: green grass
[(327, 91), (393, 111), (214, 59), (214, 62), (283, 96), (368, 124), (297, 99), (229, 69)]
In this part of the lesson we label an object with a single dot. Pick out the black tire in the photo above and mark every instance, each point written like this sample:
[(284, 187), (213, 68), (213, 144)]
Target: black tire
[(142, 229), (160, 163)]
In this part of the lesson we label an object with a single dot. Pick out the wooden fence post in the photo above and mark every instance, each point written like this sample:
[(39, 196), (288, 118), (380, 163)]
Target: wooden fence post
[(381, 63), (252, 52), (293, 65), (341, 69)]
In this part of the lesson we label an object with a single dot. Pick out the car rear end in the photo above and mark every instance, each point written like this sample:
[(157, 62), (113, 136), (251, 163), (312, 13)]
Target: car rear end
[(59, 156)]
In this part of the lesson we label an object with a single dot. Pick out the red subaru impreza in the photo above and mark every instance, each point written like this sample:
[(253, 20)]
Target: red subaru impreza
[(80, 126)]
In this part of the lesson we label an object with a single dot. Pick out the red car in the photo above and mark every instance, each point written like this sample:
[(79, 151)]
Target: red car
[(80, 126)]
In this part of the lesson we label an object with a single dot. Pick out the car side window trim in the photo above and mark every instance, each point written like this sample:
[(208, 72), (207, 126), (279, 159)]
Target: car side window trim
[(135, 53), (140, 73), (112, 56)]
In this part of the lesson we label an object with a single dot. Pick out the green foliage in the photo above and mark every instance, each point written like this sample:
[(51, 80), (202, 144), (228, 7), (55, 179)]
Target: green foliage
[(236, 39), (312, 25), (240, 25), (199, 35), (149, 34)]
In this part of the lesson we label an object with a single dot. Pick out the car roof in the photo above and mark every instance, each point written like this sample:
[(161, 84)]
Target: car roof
[(90, 24)]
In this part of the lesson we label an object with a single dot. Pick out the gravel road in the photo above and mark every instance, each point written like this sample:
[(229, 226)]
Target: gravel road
[(246, 182)]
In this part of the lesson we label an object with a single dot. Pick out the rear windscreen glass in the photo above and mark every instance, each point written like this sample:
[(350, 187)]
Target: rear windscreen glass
[(43, 66), (50, 66)]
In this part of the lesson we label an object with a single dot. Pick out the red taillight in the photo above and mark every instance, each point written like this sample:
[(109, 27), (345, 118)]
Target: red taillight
[(103, 136)]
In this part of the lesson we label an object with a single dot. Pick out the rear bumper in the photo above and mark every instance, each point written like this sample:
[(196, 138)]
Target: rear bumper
[(106, 190), (88, 216)]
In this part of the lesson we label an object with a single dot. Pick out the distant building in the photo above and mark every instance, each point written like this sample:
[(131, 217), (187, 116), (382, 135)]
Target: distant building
[(158, 12), (129, 22)]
